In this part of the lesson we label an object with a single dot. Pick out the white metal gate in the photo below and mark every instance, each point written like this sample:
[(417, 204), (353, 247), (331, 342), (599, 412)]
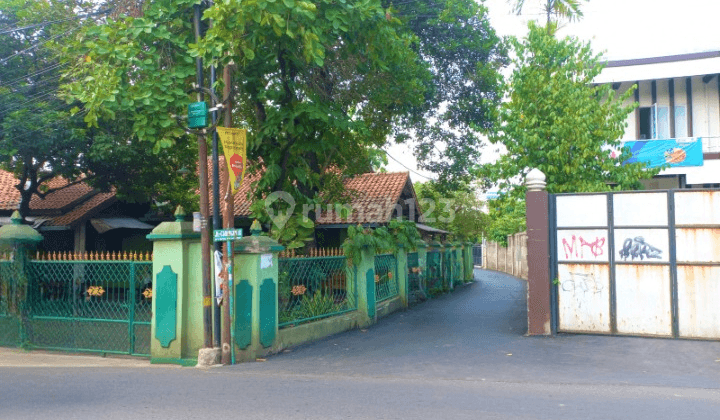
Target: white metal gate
[(637, 263)]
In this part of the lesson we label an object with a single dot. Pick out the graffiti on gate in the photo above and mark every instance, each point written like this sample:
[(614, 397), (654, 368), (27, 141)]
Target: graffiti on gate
[(582, 283), (575, 247), (637, 248)]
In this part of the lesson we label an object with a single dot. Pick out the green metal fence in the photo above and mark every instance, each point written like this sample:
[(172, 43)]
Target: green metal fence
[(311, 288), (85, 306), (9, 310), (458, 270), (386, 279)]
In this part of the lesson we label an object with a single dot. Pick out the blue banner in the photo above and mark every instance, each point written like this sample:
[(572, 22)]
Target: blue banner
[(666, 152)]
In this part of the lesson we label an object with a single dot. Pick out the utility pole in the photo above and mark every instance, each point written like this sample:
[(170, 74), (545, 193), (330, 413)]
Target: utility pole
[(217, 222), (228, 223), (204, 205)]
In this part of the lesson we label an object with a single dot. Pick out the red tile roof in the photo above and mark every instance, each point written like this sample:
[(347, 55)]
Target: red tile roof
[(54, 203), (374, 196), (85, 210), (69, 204), (9, 195)]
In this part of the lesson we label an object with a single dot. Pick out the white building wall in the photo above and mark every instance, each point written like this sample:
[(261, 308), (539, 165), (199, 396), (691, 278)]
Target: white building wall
[(663, 92), (681, 100), (700, 115), (645, 93), (712, 141)]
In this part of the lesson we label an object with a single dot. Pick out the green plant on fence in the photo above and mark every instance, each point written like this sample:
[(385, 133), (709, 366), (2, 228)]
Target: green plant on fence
[(405, 233), (316, 305), (381, 240), (360, 238), (283, 288)]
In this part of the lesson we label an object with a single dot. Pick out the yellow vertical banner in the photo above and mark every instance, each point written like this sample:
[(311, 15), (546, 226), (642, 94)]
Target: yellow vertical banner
[(233, 143)]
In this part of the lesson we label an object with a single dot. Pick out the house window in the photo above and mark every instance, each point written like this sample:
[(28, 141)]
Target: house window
[(654, 122), (662, 122), (680, 121), (645, 125)]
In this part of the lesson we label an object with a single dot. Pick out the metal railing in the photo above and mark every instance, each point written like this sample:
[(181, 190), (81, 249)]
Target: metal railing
[(386, 279), (477, 254), (67, 301), (9, 324), (314, 287)]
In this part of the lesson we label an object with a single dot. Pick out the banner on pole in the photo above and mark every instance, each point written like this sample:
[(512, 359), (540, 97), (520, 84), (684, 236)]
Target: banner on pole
[(233, 143)]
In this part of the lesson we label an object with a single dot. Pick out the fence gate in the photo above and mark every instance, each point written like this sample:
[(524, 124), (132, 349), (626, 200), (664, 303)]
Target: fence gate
[(87, 306), (637, 263)]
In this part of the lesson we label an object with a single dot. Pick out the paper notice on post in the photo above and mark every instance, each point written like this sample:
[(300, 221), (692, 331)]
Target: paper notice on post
[(266, 261), (218, 275)]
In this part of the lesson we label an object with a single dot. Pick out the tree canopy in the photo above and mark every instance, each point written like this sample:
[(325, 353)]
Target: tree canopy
[(43, 135), (321, 86), (464, 55), (559, 9), (459, 212), (558, 121)]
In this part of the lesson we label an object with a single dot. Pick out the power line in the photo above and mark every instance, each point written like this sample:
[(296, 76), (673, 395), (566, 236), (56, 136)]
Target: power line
[(32, 47), (50, 22), (403, 165), (45, 81), (35, 98), (48, 125), (37, 73)]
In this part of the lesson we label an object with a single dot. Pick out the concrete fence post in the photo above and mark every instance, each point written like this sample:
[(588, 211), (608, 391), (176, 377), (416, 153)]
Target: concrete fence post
[(364, 271), (468, 261), (422, 266), (401, 263), (447, 264), (538, 289), (21, 239), (177, 304), (255, 329)]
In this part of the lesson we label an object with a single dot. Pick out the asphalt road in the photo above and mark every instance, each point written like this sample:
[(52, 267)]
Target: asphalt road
[(462, 355)]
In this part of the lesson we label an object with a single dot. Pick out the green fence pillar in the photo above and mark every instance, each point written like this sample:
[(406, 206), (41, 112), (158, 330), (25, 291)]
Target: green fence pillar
[(255, 294), (434, 267), (177, 305), (402, 274), (468, 261), (458, 263), (14, 313), (364, 271), (447, 265), (422, 266)]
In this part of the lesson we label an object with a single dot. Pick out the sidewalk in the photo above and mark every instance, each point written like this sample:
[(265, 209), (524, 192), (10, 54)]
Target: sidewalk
[(37, 359)]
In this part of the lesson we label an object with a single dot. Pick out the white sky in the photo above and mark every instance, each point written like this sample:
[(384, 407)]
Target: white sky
[(620, 28)]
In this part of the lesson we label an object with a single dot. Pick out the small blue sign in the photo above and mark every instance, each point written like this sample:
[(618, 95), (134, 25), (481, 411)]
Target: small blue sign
[(222, 235), (666, 152)]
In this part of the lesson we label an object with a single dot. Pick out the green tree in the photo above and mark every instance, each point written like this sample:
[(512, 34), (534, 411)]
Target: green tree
[(43, 136), (464, 55), (38, 136), (558, 121), (560, 9), (459, 212), (319, 85)]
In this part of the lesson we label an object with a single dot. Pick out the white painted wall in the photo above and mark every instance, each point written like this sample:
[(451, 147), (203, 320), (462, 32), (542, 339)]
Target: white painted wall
[(705, 106), (645, 93)]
